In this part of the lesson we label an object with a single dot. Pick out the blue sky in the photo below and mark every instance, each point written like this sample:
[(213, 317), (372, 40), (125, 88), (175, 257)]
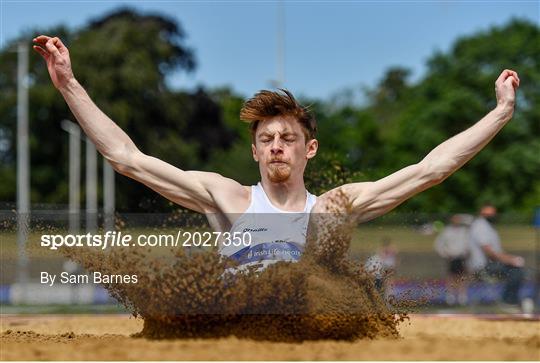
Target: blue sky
[(329, 46)]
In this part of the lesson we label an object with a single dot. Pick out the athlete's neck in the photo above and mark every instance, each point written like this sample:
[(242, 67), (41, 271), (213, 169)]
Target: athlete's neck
[(289, 196)]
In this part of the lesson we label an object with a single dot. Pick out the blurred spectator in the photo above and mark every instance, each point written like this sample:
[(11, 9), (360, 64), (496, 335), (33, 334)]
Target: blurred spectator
[(383, 265), (488, 257), (452, 244)]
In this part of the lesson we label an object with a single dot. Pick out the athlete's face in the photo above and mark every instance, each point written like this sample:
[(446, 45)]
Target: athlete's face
[(281, 150)]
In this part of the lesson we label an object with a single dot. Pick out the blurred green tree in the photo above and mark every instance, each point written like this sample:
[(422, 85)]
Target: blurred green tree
[(123, 60), (401, 122), (457, 91)]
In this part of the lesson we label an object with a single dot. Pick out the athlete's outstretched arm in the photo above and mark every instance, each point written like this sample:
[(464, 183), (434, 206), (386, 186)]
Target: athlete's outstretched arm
[(372, 199), (192, 189)]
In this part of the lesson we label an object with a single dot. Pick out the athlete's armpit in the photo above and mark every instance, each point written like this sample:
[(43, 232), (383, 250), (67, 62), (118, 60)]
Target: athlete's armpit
[(203, 192)]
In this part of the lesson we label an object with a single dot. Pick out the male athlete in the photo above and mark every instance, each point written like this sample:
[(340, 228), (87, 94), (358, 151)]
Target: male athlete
[(283, 141)]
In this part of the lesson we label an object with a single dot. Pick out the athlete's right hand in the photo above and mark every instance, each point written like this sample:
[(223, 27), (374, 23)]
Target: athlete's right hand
[(56, 56)]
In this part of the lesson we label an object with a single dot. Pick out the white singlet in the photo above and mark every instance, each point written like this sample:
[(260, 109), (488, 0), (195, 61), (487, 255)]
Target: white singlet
[(276, 235)]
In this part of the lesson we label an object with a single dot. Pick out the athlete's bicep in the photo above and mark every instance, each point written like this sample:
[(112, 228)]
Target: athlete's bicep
[(369, 200), (192, 189)]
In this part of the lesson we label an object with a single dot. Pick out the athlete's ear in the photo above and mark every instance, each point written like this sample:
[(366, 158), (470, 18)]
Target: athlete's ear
[(311, 148), (254, 152)]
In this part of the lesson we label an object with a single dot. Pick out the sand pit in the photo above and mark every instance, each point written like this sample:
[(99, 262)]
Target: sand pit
[(105, 337), (324, 295), (324, 307)]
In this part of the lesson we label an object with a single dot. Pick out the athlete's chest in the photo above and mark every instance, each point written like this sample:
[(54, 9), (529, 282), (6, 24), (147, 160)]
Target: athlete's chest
[(273, 227)]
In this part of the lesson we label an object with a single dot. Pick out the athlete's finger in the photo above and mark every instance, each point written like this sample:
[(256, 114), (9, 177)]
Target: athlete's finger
[(42, 39), (41, 51), (51, 48), (515, 75), (58, 43), (515, 82), (503, 76), (512, 81), (510, 73)]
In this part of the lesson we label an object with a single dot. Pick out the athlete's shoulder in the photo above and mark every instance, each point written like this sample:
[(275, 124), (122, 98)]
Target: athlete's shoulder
[(337, 197), (229, 195)]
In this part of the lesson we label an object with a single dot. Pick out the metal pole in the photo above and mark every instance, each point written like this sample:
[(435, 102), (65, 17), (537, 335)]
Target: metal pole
[(74, 174), (281, 44), (536, 223), (108, 196), (91, 187), (23, 163)]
